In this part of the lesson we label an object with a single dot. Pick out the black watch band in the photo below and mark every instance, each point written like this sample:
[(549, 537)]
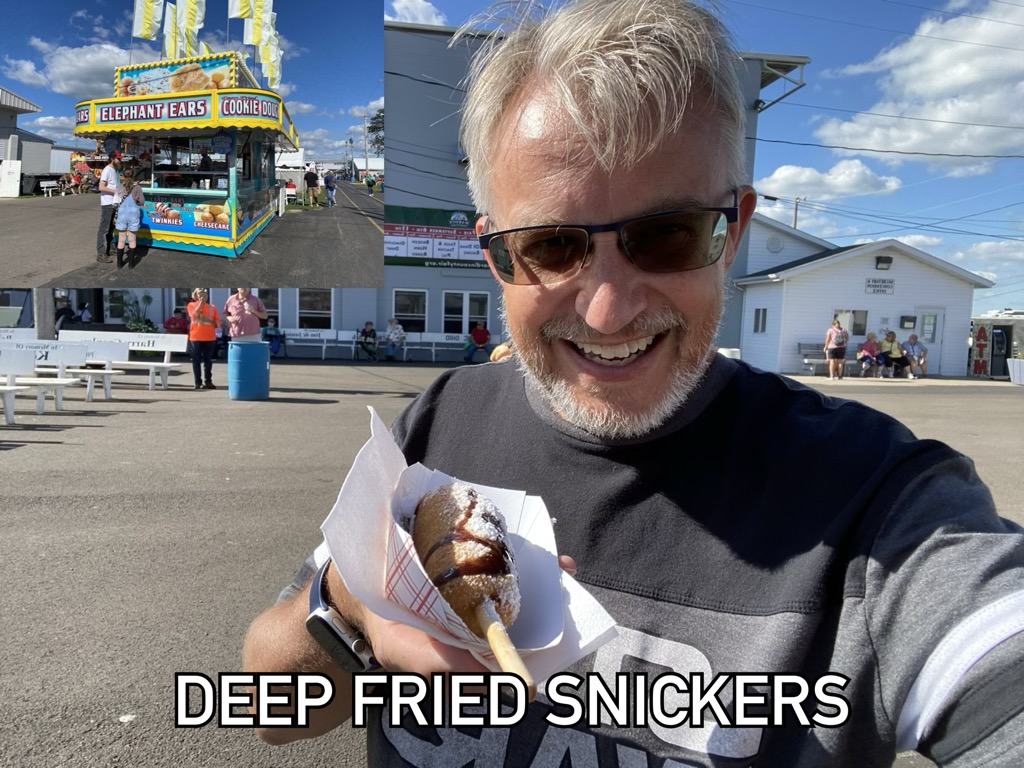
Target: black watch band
[(345, 645)]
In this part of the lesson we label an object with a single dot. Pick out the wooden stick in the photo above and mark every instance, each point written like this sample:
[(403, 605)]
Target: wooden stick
[(508, 657)]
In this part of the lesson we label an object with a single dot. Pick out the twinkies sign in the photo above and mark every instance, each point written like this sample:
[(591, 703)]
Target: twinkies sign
[(153, 111)]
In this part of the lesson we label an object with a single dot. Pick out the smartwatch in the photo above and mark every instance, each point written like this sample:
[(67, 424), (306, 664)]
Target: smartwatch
[(345, 645)]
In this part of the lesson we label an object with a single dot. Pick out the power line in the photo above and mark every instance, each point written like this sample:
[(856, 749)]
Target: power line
[(901, 117), (888, 151), (878, 29), (952, 13)]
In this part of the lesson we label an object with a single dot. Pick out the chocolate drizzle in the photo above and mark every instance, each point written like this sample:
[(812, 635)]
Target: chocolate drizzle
[(495, 562)]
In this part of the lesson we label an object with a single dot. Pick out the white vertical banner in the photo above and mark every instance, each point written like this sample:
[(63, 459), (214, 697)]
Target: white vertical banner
[(260, 26), (240, 9), (269, 56), (170, 45), (146, 21), (191, 15)]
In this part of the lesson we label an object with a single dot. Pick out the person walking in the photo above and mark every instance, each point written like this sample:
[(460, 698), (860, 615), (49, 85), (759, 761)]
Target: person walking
[(836, 339), (312, 185), (370, 181), (107, 188), (202, 337), (331, 185)]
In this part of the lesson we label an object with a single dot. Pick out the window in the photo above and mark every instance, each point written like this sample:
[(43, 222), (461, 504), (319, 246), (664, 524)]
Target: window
[(463, 310), (853, 320), (272, 302), (182, 298), (314, 308), (411, 310), (115, 304), (760, 319)]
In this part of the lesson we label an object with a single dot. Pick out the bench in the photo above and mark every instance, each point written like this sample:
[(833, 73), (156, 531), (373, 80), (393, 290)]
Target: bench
[(309, 337), (18, 368), (101, 355), (813, 355), (14, 359), (138, 342), (49, 187), (440, 342)]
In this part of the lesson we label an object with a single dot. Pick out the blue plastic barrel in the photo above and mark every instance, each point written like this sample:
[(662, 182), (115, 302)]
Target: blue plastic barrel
[(248, 370)]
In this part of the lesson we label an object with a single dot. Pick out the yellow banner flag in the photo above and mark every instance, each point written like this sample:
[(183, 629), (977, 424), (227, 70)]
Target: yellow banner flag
[(239, 9), (146, 23), (170, 47)]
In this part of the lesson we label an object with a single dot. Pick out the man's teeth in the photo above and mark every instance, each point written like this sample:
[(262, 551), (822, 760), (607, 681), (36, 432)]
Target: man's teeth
[(616, 351)]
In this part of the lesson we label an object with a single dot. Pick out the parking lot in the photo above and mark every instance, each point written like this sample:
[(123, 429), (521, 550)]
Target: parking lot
[(51, 241), (143, 534)]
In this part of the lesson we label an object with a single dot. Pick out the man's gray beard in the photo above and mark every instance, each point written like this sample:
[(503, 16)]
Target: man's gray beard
[(604, 421)]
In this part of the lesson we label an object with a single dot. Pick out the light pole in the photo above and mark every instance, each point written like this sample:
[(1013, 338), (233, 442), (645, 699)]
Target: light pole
[(366, 148)]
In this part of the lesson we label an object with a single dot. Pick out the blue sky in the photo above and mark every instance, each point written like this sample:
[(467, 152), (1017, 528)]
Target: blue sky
[(913, 76), (62, 51)]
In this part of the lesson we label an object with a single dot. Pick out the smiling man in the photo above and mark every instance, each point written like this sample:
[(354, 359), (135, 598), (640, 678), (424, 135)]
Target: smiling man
[(606, 148)]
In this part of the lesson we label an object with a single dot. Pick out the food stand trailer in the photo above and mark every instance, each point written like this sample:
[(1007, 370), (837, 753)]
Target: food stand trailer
[(202, 136)]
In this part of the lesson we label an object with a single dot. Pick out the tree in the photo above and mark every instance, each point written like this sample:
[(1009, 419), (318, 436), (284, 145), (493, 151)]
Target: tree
[(376, 131)]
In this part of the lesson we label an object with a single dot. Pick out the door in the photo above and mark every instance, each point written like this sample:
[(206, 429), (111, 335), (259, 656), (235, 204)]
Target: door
[(929, 332)]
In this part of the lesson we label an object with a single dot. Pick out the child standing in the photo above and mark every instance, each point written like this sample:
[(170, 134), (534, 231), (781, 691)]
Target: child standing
[(129, 216)]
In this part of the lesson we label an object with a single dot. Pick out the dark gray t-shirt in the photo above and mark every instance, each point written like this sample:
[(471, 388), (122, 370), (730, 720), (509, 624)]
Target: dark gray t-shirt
[(728, 542)]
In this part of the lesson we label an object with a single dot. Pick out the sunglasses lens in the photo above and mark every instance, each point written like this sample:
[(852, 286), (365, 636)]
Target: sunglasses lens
[(676, 242), (542, 255)]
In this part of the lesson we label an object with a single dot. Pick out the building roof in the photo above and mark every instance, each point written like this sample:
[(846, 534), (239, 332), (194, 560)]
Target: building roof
[(376, 163), (15, 103), (24, 135), (833, 255)]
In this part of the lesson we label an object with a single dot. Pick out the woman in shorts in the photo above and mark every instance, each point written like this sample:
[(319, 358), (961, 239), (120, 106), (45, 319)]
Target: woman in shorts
[(835, 349), (129, 216)]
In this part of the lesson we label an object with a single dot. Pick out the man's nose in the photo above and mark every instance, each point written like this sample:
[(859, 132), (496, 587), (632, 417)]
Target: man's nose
[(611, 290)]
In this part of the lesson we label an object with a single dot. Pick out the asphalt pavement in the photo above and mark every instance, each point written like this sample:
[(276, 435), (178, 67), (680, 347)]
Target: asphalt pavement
[(51, 242), (142, 535)]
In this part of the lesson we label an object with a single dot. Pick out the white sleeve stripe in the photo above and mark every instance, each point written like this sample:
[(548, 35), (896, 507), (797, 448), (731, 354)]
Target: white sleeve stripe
[(321, 554), (960, 650)]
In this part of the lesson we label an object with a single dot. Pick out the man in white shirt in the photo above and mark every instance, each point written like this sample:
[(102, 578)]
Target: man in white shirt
[(109, 180)]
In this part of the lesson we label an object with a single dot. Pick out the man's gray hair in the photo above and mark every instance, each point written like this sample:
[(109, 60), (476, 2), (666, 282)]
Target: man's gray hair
[(623, 70)]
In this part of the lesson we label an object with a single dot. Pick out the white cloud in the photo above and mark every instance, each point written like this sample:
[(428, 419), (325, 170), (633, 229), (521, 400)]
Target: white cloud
[(926, 243), (23, 71), (845, 178), (47, 122), (416, 12), (939, 80), (368, 109), (286, 89), (85, 72), (300, 108)]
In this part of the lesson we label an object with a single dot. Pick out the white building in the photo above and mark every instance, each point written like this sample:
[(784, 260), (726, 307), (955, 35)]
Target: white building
[(799, 283)]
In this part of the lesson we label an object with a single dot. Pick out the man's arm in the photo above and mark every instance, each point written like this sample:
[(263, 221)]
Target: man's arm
[(277, 641)]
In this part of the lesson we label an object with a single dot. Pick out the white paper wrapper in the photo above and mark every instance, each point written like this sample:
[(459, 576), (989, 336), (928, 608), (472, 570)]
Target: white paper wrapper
[(559, 622)]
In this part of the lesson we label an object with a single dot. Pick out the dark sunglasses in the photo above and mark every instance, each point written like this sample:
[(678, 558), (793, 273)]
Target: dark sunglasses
[(669, 241)]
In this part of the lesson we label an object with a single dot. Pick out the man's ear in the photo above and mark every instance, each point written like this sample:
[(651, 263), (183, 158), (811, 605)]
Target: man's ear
[(746, 201), (480, 224)]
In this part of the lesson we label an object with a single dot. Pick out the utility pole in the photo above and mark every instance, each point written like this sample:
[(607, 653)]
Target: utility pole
[(366, 148), (796, 208)]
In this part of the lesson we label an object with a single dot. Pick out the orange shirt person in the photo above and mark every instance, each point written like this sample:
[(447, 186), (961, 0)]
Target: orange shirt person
[(204, 321)]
